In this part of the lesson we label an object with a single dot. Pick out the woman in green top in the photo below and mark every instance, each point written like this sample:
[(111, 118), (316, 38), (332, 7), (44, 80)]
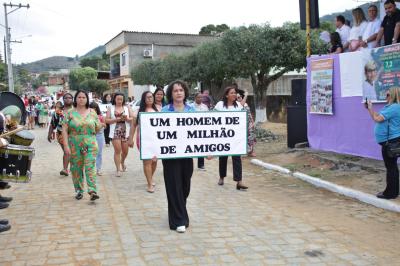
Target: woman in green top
[(79, 133)]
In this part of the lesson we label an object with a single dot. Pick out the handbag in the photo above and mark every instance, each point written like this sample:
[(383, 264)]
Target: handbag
[(392, 146)]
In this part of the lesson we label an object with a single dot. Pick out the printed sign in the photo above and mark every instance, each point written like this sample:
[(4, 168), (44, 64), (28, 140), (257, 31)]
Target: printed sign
[(321, 86), (382, 72), (193, 134)]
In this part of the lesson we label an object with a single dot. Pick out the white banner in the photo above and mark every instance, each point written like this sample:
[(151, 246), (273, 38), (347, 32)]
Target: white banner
[(193, 134)]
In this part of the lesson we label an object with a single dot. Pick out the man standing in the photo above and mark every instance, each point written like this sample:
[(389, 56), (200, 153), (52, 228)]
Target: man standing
[(372, 29), (390, 27), (56, 123), (343, 30)]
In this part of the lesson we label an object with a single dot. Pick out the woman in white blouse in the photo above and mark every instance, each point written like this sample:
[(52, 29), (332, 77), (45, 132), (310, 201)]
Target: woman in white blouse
[(230, 103), (357, 31)]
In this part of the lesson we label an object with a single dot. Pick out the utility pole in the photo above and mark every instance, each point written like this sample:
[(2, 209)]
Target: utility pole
[(308, 28), (8, 37)]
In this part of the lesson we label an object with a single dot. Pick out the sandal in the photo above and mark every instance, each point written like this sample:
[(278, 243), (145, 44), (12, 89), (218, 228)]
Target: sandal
[(119, 174), (150, 190), (123, 168), (93, 196)]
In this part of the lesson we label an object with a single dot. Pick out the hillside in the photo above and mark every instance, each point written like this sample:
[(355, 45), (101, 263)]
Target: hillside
[(51, 63), (98, 51), (60, 62), (347, 13)]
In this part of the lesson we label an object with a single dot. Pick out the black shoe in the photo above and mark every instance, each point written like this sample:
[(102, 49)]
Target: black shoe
[(79, 196), (94, 196), (4, 227), (4, 185), (221, 182), (5, 199), (239, 187), (4, 222), (381, 195), (4, 205)]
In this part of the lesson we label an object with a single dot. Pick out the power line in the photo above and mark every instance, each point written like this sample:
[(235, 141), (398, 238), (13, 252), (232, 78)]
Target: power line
[(8, 41)]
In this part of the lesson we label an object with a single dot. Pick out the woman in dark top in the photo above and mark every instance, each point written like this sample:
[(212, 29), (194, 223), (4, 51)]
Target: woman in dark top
[(336, 43)]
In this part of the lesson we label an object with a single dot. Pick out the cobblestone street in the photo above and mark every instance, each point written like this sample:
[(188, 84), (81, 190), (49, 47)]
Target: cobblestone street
[(279, 221)]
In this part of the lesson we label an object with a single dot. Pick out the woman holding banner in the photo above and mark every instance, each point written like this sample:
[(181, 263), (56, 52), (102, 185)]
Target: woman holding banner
[(147, 104), (230, 103), (177, 172)]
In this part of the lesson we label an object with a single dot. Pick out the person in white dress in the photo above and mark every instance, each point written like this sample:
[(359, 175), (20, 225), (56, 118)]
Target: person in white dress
[(357, 31)]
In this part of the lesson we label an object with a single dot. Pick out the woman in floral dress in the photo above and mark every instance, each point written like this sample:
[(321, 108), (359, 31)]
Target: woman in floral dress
[(79, 133), (251, 130)]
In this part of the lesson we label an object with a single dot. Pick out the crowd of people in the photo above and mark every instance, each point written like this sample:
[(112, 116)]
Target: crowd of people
[(82, 129), (367, 32)]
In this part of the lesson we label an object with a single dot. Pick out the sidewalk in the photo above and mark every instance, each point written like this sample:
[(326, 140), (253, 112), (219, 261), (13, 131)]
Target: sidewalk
[(362, 174), (279, 221)]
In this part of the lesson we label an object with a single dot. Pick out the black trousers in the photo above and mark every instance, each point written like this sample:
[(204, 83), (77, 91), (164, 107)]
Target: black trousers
[(177, 175), (200, 162), (392, 174), (236, 164), (106, 134)]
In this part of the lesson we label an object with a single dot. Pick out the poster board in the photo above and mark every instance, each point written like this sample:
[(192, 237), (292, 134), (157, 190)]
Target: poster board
[(321, 86)]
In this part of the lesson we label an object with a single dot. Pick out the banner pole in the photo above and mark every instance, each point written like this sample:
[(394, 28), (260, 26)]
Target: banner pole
[(308, 28)]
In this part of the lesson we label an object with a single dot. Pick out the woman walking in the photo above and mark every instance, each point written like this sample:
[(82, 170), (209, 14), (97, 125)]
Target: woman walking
[(159, 98), (99, 138), (387, 129), (31, 111), (107, 101), (79, 135), (149, 166), (177, 172), (119, 116), (230, 103)]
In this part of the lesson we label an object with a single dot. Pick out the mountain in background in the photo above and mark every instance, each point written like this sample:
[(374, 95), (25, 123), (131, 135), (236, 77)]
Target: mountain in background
[(347, 13), (98, 51), (55, 63), (63, 62)]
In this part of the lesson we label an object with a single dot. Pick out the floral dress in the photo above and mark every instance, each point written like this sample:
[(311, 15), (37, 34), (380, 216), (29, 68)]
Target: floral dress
[(83, 145), (251, 134), (120, 128)]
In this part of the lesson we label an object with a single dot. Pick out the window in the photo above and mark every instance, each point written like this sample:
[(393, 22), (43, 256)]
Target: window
[(123, 59)]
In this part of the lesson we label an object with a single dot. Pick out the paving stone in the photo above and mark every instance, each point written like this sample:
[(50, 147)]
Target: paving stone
[(274, 223)]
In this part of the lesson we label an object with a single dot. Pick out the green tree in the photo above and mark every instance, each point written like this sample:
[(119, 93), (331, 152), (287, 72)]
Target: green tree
[(94, 85), (212, 29), (78, 75), (264, 54), (95, 62), (43, 77)]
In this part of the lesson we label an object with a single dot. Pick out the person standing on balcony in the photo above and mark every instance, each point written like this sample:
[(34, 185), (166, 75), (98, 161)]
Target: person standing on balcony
[(390, 27), (373, 26)]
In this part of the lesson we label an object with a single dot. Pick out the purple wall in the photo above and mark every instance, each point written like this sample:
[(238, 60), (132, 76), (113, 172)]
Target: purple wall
[(350, 130)]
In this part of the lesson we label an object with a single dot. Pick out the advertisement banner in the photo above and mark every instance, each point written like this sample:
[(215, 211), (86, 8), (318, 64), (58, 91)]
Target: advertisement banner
[(321, 86), (193, 134), (381, 72)]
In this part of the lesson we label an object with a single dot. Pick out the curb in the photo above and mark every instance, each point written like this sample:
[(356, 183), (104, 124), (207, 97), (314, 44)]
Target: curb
[(348, 192)]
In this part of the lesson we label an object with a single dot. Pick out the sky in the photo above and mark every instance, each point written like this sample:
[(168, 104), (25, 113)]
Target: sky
[(72, 27)]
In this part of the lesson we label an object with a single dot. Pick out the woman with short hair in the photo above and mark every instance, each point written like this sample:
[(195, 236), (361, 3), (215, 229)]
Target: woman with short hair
[(177, 172)]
